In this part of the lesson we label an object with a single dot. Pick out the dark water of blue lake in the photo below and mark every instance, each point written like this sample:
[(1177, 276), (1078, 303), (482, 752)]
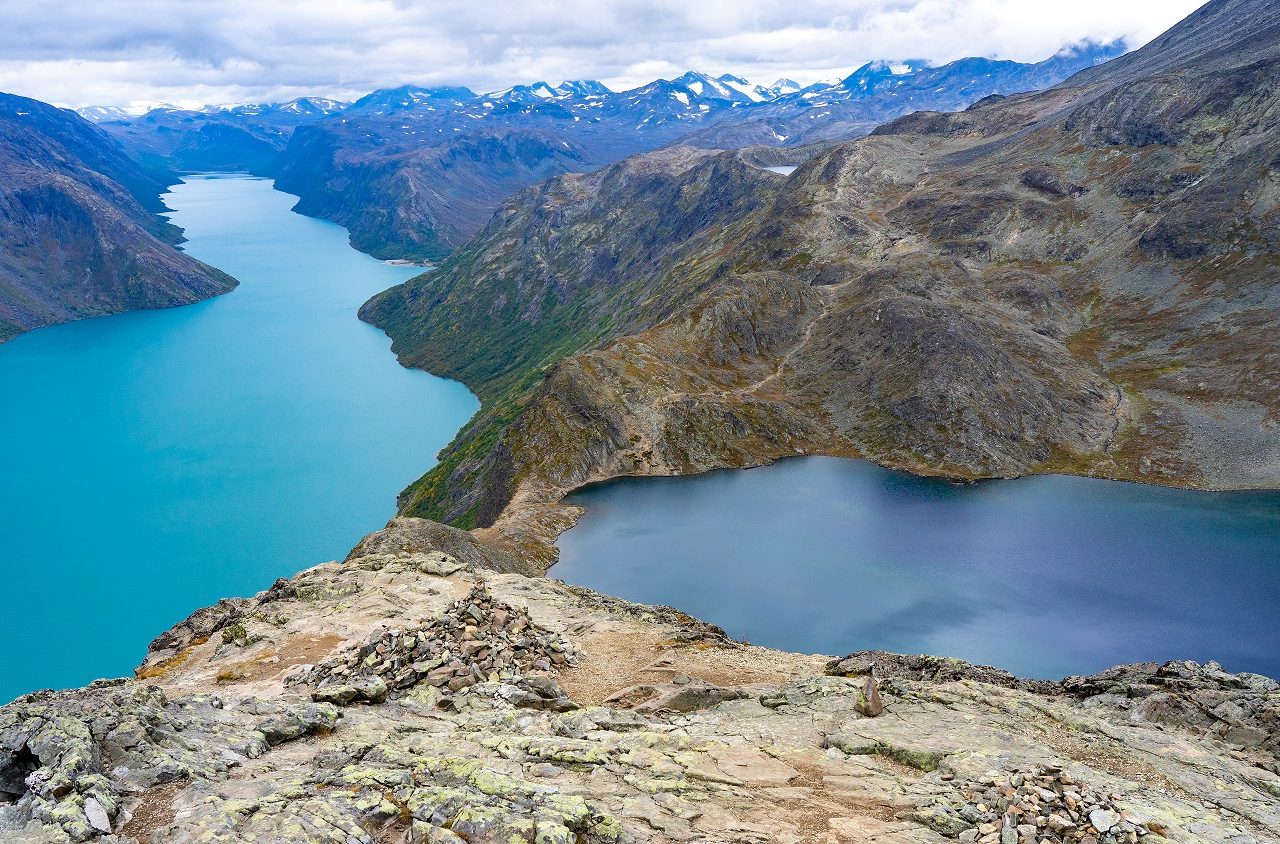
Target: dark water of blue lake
[(1044, 576), (155, 462)]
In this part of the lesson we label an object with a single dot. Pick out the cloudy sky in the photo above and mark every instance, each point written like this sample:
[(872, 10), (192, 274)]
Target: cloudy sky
[(190, 52)]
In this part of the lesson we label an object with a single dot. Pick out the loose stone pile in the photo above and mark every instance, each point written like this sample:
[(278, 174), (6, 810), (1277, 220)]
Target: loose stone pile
[(475, 639), (891, 666), (1043, 806)]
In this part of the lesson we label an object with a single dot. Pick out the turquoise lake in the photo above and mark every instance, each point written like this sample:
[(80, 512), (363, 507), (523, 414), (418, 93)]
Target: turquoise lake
[(155, 462), (1043, 576), (158, 461)]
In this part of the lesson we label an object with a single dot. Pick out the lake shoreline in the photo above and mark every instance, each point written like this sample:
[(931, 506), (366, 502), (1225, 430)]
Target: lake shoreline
[(163, 459), (661, 559)]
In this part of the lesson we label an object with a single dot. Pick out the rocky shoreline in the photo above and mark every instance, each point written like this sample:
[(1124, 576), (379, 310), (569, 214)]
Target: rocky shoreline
[(430, 692)]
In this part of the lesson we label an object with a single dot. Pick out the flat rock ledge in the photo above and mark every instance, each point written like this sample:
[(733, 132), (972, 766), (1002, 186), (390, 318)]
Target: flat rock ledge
[(407, 695)]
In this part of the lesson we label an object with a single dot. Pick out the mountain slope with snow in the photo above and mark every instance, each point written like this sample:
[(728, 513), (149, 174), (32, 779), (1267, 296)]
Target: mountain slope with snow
[(883, 90)]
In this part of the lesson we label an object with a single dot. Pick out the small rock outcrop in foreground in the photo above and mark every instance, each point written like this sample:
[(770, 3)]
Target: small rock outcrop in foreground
[(408, 698)]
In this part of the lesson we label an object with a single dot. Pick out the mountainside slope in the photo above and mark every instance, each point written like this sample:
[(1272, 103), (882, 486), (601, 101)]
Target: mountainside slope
[(1082, 280), (421, 202), (78, 226), (565, 266)]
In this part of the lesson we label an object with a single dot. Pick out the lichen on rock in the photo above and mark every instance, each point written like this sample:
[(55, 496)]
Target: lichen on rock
[(737, 744)]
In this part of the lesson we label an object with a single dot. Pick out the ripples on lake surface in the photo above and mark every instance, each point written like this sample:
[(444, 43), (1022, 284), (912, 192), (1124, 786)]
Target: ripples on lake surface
[(1044, 576), (155, 462)]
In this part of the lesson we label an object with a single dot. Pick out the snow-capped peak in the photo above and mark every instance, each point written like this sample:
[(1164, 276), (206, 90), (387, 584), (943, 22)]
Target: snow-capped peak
[(780, 88), (102, 114), (755, 93), (582, 88), (312, 105), (873, 75), (704, 87), (695, 82)]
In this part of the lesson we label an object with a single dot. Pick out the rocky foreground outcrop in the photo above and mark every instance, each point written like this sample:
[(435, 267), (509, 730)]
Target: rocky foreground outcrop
[(408, 697)]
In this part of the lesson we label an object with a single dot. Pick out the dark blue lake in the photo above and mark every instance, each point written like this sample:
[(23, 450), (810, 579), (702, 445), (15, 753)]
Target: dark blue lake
[(1043, 576), (152, 463)]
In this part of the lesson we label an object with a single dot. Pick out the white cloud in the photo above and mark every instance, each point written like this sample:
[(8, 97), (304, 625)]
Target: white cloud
[(197, 51)]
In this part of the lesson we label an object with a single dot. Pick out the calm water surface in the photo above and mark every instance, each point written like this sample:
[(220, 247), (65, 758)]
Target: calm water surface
[(1044, 576), (155, 462)]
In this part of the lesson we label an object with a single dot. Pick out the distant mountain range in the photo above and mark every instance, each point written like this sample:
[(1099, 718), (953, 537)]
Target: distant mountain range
[(79, 233), (239, 138), (880, 91), (413, 172), (693, 99)]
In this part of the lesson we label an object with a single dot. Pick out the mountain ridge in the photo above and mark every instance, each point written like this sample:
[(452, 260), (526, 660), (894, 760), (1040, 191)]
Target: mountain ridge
[(375, 174), (1036, 284), (80, 227)]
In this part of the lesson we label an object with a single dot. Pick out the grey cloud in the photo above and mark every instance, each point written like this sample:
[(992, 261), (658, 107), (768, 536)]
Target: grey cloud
[(194, 51)]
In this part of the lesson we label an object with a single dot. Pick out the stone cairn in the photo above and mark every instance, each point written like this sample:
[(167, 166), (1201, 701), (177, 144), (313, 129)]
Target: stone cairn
[(1046, 806), (475, 639)]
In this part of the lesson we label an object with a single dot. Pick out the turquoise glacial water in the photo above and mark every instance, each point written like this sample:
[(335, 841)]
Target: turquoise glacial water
[(154, 462), (1043, 576)]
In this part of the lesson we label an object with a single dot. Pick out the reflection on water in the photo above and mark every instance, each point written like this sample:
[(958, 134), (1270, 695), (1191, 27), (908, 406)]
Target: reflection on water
[(1044, 576)]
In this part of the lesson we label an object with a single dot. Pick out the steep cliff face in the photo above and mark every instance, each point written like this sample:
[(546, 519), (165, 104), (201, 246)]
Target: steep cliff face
[(78, 225), (1082, 280)]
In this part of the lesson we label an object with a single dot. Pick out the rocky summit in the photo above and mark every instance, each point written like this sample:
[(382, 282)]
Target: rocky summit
[(406, 696), (474, 639)]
